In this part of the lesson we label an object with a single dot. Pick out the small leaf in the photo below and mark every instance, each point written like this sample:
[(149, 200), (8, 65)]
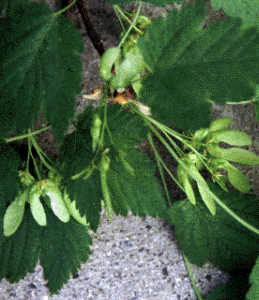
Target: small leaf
[(26, 178), (14, 214), (232, 137), (220, 124)]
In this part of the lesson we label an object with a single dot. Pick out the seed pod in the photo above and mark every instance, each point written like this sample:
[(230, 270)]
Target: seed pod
[(104, 167), (14, 214), (26, 178), (109, 58), (183, 179), (201, 133), (232, 137), (240, 156), (96, 130), (143, 21), (128, 70), (37, 209), (203, 187), (220, 124), (237, 179), (56, 199)]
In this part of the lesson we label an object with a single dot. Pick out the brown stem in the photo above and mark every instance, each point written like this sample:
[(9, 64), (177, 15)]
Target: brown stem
[(93, 35)]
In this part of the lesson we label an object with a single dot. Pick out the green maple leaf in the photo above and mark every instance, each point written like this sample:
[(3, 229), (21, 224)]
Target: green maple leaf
[(64, 246), (133, 186), (220, 239), (191, 66), (40, 68), (247, 10)]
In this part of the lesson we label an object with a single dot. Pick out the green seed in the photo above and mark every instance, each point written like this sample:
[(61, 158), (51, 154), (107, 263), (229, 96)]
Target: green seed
[(220, 124)]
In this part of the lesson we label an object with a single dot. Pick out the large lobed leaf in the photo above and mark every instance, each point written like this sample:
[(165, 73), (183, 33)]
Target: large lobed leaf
[(247, 10), (233, 289), (40, 67), (133, 186), (220, 238), (191, 66), (254, 281), (63, 247), (125, 129), (9, 178), (76, 156)]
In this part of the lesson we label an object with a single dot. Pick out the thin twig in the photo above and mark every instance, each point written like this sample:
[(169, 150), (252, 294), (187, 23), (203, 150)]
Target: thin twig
[(93, 35)]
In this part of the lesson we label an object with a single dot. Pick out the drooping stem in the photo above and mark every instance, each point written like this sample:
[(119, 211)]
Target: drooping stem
[(37, 148), (191, 277)]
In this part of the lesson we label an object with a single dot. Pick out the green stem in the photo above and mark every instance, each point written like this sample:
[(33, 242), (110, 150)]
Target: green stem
[(66, 8), (37, 148), (21, 137), (191, 277), (34, 161), (158, 158), (131, 25), (242, 102), (171, 175), (180, 152), (118, 16)]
